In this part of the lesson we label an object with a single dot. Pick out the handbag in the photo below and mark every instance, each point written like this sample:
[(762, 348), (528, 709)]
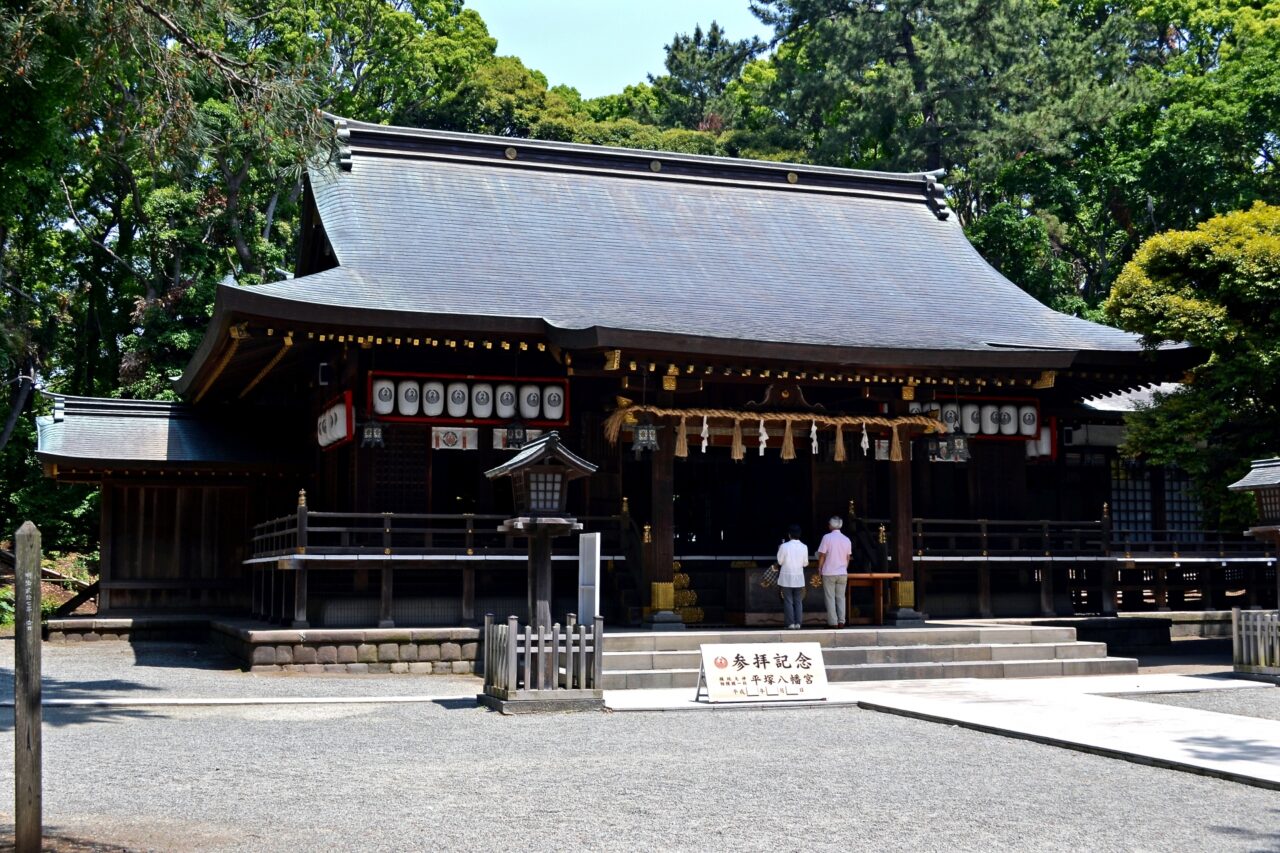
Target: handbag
[(770, 576)]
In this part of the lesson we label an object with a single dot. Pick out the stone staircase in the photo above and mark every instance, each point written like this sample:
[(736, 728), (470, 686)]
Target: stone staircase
[(653, 659)]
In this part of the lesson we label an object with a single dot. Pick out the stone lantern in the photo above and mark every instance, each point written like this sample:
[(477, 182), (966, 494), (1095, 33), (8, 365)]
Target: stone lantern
[(1263, 480), (540, 475)]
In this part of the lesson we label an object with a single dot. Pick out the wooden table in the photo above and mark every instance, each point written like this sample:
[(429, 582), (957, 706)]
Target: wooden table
[(873, 580)]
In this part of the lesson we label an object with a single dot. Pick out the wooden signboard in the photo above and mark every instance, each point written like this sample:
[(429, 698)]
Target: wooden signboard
[(762, 672)]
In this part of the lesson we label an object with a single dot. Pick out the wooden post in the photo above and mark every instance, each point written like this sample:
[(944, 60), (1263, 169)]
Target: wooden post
[(660, 565), (468, 592), (1046, 589), (300, 595), (384, 609), (540, 578), (26, 693), (903, 556), (302, 522)]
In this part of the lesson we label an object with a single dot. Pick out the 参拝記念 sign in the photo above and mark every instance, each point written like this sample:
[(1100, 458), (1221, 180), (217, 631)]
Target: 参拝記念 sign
[(762, 672)]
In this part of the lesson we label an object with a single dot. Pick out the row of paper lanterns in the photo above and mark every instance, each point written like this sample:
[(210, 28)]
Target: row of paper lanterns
[(984, 418), (331, 426), (481, 400), (992, 419)]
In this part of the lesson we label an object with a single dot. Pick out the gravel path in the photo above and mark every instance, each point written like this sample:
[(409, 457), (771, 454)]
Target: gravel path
[(194, 670), (1263, 703), (447, 776)]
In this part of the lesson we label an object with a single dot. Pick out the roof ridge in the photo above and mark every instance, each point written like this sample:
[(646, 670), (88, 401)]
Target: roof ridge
[(359, 138)]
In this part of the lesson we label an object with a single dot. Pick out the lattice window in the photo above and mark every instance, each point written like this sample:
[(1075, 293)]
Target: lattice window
[(1181, 506), (1131, 500), (544, 491), (400, 470), (1270, 500)]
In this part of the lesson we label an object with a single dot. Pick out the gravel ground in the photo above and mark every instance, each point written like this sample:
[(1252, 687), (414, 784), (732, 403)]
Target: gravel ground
[(447, 775), (194, 670), (1263, 703)]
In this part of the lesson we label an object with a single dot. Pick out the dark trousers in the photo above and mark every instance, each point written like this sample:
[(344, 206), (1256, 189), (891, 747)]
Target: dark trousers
[(793, 604)]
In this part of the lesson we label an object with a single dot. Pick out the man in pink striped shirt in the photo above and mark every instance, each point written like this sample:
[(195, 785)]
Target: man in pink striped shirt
[(833, 563)]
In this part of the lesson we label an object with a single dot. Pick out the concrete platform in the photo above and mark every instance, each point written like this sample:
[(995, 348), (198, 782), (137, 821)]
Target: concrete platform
[(1082, 713)]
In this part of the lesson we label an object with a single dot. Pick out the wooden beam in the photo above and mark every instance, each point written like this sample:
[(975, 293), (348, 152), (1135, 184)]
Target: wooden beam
[(285, 343), (235, 334)]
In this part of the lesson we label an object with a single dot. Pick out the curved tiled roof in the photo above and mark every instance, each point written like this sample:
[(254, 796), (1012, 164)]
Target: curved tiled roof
[(602, 245)]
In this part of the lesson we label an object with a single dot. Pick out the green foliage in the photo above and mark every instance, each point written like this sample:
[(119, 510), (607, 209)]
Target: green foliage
[(1019, 246), (6, 606), (699, 68), (1217, 287)]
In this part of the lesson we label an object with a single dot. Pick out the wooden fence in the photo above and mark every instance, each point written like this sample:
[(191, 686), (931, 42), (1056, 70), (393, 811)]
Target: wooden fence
[(522, 663), (1255, 641)]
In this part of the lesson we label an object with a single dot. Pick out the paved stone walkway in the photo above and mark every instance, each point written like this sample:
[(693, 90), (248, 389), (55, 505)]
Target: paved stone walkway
[(1087, 713)]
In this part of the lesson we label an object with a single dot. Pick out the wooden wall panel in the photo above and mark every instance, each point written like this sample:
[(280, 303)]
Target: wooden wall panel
[(170, 547)]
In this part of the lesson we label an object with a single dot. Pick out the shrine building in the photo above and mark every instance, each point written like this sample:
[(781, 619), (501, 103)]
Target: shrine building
[(737, 346)]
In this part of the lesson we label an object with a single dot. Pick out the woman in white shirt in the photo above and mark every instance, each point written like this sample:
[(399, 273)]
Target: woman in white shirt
[(793, 556)]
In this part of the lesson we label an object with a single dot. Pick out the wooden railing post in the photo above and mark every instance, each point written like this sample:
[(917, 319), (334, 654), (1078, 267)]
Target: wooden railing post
[(26, 696), (597, 653), (300, 539), (512, 676), (1105, 526)]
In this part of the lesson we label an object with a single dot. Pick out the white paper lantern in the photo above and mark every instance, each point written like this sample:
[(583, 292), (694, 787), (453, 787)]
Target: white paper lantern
[(433, 399), (990, 419), (482, 400), (1028, 421), (322, 431), (971, 418), (384, 396), (407, 394), (1044, 444), (951, 416), (1008, 420), (338, 422), (1033, 448), (456, 398), (553, 402), (913, 408), (505, 401), (530, 402)]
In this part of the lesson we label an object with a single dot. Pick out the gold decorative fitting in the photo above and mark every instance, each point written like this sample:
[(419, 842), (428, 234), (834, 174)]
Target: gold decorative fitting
[(631, 366), (626, 506), (792, 177), (487, 344), (908, 392), (511, 153), (1046, 380), (647, 535), (524, 346), (612, 359), (302, 497), (880, 535), (672, 370), (668, 383), (655, 165), (542, 347)]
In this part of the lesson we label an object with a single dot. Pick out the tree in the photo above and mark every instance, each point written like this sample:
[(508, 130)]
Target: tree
[(699, 68), (1217, 287)]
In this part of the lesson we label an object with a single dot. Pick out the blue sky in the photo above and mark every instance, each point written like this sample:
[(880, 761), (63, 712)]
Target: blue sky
[(600, 46)]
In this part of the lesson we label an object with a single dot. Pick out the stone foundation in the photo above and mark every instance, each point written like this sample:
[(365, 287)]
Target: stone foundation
[(416, 651), (408, 651)]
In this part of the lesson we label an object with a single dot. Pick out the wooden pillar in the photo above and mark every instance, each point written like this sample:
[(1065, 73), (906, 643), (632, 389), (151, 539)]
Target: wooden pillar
[(1046, 589), (468, 593), (26, 692), (384, 609), (540, 578), (659, 567), (107, 554), (300, 596), (905, 599)]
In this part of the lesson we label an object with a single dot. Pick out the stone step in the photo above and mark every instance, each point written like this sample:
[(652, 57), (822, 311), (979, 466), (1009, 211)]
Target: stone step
[(658, 679), (857, 655), (673, 641)]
